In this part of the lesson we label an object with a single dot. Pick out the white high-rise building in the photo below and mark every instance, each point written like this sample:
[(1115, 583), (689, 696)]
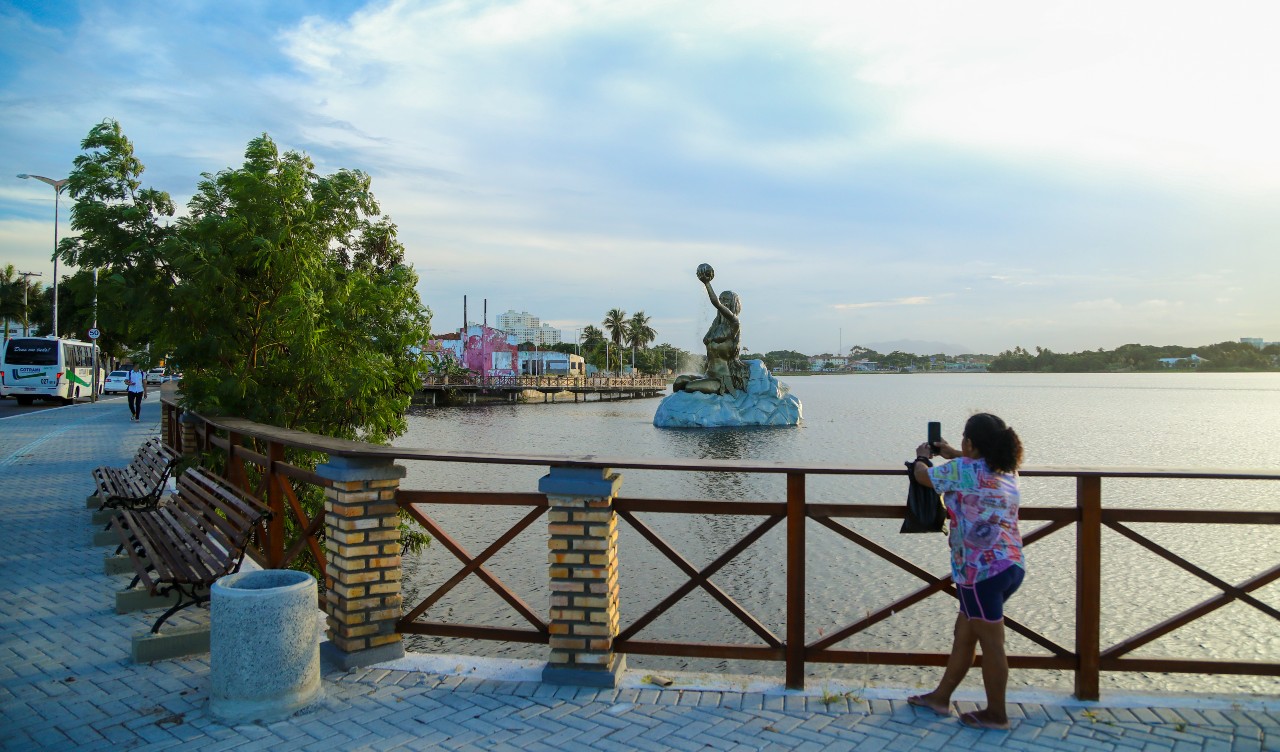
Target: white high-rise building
[(528, 328)]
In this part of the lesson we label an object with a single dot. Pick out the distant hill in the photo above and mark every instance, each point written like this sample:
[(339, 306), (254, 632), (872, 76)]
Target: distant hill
[(919, 347)]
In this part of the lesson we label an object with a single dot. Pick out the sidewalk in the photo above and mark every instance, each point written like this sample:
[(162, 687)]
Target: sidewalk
[(67, 682)]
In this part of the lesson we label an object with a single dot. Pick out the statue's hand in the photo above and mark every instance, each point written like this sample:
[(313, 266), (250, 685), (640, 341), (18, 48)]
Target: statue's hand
[(705, 273)]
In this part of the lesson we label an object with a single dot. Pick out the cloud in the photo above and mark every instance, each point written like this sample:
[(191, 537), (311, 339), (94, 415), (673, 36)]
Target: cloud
[(1041, 173), (912, 301)]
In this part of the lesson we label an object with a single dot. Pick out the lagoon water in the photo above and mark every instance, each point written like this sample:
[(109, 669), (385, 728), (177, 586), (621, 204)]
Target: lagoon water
[(1196, 420)]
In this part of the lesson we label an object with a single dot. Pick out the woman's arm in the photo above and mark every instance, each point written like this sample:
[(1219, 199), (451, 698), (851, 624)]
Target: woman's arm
[(715, 301), (919, 469)]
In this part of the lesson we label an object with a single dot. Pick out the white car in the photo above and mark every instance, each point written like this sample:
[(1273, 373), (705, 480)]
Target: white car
[(117, 381), (155, 376)]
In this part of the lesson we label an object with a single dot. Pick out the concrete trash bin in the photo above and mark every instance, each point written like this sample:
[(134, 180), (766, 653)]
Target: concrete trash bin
[(264, 655)]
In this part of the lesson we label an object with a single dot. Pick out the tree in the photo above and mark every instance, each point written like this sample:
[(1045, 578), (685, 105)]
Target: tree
[(591, 336), (291, 284), (125, 233), (615, 323), (283, 295), (639, 333)]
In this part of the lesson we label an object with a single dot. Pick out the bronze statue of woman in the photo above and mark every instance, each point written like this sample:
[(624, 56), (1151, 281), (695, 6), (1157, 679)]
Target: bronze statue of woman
[(726, 373)]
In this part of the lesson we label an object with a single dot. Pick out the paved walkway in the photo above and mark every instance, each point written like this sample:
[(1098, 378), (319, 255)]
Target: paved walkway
[(67, 682)]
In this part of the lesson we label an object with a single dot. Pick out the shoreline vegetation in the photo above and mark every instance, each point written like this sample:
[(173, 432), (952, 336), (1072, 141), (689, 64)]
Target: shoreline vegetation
[(1133, 358)]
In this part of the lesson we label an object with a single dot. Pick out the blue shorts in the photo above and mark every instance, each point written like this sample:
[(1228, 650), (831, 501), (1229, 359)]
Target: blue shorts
[(984, 600)]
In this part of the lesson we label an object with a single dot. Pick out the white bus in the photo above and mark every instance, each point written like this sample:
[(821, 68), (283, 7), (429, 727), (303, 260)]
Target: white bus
[(48, 368)]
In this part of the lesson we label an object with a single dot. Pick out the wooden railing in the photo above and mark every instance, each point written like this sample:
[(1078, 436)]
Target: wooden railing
[(1086, 656)]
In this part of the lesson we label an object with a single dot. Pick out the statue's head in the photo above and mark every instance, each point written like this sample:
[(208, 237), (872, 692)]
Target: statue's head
[(730, 300)]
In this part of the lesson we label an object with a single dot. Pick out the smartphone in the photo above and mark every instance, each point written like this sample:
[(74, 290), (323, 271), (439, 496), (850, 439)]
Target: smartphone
[(935, 435)]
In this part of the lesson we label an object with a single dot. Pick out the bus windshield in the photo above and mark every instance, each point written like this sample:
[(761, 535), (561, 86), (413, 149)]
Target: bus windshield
[(32, 352)]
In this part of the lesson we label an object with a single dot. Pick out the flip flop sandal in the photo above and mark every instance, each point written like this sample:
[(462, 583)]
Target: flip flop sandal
[(918, 701), (973, 721)]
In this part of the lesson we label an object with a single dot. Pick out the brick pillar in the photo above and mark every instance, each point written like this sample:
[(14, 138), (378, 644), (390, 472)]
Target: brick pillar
[(363, 599), (187, 433), (584, 576)]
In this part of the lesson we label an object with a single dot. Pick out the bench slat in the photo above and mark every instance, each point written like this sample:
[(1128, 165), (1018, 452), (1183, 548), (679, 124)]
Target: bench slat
[(193, 540)]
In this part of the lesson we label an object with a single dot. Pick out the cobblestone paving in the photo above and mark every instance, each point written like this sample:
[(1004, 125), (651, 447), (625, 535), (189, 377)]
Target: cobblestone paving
[(67, 682)]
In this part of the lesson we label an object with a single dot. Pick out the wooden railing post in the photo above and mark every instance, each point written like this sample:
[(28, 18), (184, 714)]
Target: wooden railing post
[(1088, 585), (362, 530), (275, 501), (235, 464), (795, 580), (583, 573)]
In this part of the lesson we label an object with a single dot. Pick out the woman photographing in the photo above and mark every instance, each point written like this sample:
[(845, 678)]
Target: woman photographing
[(980, 487)]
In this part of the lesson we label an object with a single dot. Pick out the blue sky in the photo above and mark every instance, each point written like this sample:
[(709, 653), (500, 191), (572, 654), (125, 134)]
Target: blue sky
[(988, 174)]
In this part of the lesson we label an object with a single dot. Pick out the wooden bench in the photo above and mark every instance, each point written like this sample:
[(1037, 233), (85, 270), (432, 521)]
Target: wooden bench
[(139, 484), (186, 544)]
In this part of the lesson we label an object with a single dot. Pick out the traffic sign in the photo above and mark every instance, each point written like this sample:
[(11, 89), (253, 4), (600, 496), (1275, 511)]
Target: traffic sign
[(94, 333)]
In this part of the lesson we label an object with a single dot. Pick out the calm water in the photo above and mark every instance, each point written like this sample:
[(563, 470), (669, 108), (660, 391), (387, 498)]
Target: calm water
[(1151, 420)]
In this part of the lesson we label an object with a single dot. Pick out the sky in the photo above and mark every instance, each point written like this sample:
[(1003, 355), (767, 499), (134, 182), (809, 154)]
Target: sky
[(982, 174)]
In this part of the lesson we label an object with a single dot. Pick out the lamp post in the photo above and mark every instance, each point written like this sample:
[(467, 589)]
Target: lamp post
[(58, 185)]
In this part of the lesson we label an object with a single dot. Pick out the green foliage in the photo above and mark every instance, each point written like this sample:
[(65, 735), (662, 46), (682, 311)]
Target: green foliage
[(1224, 356), (615, 323), (294, 307), (283, 295), (786, 360)]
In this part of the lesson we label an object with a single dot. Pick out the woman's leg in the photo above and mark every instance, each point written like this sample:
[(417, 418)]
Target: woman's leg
[(995, 670), (958, 663)]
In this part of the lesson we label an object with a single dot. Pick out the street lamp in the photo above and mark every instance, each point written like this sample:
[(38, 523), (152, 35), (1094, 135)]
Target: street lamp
[(58, 185)]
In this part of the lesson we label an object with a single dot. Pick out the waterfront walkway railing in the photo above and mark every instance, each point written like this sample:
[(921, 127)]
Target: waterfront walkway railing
[(354, 542)]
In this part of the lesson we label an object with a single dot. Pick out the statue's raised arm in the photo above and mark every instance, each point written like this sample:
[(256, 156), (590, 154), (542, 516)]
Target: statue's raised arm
[(726, 372)]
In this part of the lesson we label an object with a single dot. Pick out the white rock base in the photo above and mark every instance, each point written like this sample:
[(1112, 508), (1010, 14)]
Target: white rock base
[(766, 402)]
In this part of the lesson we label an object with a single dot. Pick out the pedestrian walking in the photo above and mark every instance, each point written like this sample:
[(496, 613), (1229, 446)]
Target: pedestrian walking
[(137, 391), (980, 486)]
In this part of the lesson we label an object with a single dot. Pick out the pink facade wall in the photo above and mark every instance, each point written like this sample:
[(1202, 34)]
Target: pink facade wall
[(483, 351)]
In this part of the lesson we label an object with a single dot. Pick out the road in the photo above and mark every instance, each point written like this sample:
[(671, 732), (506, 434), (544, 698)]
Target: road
[(9, 407)]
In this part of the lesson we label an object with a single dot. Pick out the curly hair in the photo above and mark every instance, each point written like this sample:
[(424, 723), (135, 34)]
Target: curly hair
[(998, 444)]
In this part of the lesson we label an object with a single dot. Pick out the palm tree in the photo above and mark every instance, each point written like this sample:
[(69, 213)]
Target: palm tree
[(592, 335), (639, 334), (615, 323)]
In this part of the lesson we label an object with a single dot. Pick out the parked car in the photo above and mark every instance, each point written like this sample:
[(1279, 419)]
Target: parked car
[(155, 376), (117, 381)]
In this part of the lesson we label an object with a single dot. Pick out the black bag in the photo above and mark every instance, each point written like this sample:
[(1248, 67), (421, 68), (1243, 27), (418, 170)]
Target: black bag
[(925, 512)]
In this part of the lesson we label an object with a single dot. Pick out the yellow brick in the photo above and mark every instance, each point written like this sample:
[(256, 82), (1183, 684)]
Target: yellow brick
[(350, 645), (590, 602), (378, 536), (391, 549), (558, 629), (566, 614), (566, 643), (386, 483), (358, 551), (560, 573), (562, 586), (597, 630), (555, 558), (384, 588), (602, 643), (386, 639), (559, 528), (558, 515), (385, 562)]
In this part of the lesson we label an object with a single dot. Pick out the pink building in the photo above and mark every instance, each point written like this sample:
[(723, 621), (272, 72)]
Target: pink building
[(481, 350)]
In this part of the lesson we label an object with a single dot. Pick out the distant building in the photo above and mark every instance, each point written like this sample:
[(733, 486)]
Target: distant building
[(1192, 361), (550, 363), (526, 327), (481, 350)]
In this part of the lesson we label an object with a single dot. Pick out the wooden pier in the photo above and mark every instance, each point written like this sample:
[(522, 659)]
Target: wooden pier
[(512, 388)]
